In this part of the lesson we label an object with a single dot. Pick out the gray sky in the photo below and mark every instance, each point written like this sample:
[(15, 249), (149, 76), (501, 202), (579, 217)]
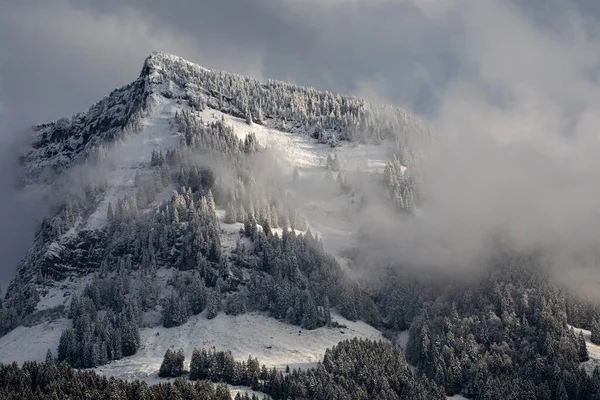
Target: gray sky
[(525, 72)]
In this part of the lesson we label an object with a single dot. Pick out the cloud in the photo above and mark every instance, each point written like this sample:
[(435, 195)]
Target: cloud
[(59, 59), (518, 139)]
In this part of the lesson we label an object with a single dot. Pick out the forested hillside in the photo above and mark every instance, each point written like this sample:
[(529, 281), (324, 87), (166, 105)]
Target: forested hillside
[(191, 193)]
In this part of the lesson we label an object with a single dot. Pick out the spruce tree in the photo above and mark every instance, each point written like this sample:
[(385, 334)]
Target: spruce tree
[(49, 357), (172, 364), (582, 348), (595, 332)]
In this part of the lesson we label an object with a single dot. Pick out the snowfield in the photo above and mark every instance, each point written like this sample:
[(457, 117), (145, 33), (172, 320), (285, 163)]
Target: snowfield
[(593, 351), (328, 215), (303, 151), (32, 343), (274, 343), (134, 154), (60, 293)]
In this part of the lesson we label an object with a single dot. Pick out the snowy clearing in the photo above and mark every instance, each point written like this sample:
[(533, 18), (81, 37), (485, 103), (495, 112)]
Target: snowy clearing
[(303, 151), (330, 215), (60, 293), (135, 153), (32, 343), (274, 343), (593, 351)]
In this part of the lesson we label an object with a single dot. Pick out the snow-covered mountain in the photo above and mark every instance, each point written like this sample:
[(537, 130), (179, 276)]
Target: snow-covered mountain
[(145, 152), (210, 212)]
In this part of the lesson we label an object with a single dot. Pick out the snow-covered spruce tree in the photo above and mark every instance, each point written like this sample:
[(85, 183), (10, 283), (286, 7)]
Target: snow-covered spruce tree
[(175, 311), (196, 295), (248, 117), (595, 332), (97, 338), (582, 348), (172, 364), (214, 303), (49, 357)]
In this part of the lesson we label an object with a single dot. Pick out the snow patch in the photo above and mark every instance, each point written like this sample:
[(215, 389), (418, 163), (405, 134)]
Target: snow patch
[(32, 343), (134, 154), (402, 340), (60, 293), (274, 343), (593, 351)]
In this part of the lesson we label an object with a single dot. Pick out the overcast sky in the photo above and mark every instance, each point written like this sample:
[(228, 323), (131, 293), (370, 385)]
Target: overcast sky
[(57, 57)]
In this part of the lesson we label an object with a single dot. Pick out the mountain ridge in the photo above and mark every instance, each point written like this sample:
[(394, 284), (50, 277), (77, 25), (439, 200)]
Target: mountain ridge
[(56, 145)]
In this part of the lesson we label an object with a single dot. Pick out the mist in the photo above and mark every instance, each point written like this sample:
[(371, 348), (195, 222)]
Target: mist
[(20, 211), (516, 147)]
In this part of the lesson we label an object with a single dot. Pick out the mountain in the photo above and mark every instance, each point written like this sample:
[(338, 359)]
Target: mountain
[(178, 138), (140, 117), (220, 215)]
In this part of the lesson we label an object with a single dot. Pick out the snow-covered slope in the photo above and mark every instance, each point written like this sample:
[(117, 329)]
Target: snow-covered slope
[(133, 155), (120, 133), (274, 343), (593, 351), (329, 213), (32, 343)]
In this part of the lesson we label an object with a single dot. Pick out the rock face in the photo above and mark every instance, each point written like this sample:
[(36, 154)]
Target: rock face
[(57, 145)]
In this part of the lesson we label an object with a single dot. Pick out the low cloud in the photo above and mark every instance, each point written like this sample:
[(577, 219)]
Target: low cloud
[(516, 155)]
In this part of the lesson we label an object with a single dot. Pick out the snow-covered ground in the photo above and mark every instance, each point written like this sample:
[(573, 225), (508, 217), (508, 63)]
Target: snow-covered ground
[(135, 153), (593, 351), (60, 293), (402, 340), (329, 215), (32, 343), (302, 151), (274, 343), (243, 389)]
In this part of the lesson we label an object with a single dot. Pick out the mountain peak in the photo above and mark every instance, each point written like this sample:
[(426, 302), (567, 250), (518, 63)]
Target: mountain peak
[(158, 61)]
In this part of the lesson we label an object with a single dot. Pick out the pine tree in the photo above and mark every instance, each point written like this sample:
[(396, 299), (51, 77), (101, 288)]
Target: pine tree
[(595, 332), (582, 348), (174, 312), (210, 199), (230, 214), (561, 391), (197, 295), (214, 303), (49, 357), (172, 364), (67, 347), (327, 311), (110, 216)]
